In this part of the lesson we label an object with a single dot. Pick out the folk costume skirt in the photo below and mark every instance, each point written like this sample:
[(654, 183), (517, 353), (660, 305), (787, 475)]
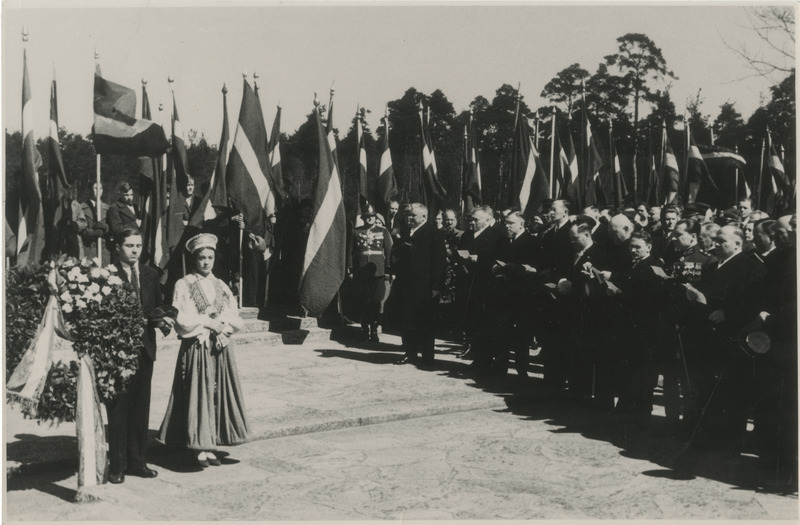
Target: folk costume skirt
[(206, 406)]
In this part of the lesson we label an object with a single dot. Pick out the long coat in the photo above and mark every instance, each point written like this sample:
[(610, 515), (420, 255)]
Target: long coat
[(419, 269)]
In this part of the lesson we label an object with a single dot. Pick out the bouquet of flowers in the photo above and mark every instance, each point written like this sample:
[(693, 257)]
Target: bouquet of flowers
[(104, 319)]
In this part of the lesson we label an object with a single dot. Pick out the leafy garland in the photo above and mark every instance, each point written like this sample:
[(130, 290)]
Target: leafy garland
[(102, 313)]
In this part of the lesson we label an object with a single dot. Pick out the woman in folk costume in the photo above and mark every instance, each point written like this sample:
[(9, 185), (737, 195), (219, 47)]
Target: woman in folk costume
[(206, 407)]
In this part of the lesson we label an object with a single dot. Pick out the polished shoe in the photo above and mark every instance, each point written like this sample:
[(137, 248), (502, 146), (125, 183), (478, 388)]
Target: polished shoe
[(373, 337), (406, 359), (214, 461), (143, 472), (116, 478)]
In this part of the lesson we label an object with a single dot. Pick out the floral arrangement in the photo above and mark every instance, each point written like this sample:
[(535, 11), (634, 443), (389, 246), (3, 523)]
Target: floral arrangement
[(26, 297), (103, 316)]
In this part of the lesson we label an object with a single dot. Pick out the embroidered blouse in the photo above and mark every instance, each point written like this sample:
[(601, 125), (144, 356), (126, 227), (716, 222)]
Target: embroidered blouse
[(200, 299)]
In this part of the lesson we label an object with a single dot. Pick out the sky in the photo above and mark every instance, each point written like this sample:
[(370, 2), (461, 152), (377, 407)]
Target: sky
[(370, 54)]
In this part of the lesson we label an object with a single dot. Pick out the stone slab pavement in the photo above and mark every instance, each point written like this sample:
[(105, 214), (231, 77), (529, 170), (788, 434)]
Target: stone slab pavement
[(339, 433)]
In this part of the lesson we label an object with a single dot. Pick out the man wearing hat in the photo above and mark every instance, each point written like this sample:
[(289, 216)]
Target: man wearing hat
[(369, 269)]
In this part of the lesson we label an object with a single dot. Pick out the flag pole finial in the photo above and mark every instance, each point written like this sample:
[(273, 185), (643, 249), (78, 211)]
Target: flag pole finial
[(25, 33), (279, 104), (224, 89), (144, 82), (316, 102), (244, 76), (255, 80)]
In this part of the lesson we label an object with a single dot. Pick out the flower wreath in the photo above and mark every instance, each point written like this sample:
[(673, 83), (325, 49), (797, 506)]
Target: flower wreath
[(103, 315)]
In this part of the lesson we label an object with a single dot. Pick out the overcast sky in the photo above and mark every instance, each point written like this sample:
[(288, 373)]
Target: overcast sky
[(371, 54)]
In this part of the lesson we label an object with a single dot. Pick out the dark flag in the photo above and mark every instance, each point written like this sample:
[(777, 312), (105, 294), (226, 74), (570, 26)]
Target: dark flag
[(216, 198), (324, 263), (153, 192), (434, 192), (701, 186), (670, 174), (592, 162), (726, 170), (248, 187), (620, 190), (387, 185), (57, 185), (116, 129), (472, 173), (529, 185), (363, 186), (30, 232), (274, 150)]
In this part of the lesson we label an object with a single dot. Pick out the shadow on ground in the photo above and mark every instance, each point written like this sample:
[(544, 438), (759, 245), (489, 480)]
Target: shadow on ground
[(656, 443)]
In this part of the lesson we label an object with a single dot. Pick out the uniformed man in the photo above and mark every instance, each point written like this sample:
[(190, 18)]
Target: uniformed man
[(369, 269)]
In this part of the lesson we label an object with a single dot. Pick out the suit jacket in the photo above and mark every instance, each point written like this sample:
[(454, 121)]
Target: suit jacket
[(558, 250), (150, 294), (736, 288), (525, 249), (120, 216), (421, 267), (94, 230)]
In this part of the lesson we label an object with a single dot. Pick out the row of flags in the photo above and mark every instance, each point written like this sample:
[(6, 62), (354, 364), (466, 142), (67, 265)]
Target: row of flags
[(248, 180)]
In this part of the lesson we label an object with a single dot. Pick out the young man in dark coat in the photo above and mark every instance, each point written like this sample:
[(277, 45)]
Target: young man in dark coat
[(129, 414), (419, 269)]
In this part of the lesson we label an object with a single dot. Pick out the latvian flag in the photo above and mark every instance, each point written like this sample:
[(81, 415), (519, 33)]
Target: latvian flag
[(30, 233), (387, 184), (472, 177), (116, 131), (433, 190), (324, 263), (248, 186), (57, 184), (701, 186), (363, 186), (529, 183), (670, 175), (274, 149), (216, 198)]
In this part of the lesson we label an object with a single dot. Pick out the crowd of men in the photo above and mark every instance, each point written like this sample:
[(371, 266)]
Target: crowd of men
[(704, 299), (614, 299)]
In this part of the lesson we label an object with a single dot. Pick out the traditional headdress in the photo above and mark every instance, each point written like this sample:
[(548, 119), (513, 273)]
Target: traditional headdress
[(200, 241)]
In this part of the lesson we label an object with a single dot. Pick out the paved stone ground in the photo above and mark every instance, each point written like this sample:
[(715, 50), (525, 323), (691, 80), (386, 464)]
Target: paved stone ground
[(341, 434)]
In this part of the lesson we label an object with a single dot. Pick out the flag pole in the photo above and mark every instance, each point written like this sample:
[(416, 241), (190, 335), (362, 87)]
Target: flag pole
[(174, 187), (761, 173), (464, 159), (736, 177), (99, 203), (552, 186), (685, 189)]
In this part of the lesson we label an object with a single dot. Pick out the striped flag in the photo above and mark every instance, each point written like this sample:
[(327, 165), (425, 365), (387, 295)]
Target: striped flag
[(529, 184), (52, 209), (670, 174), (387, 184), (179, 177), (434, 192), (276, 193), (153, 191), (216, 198), (568, 160), (593, 194), (363, 185), (472, 175), (248, 187), (700, 185), (116, 131), (30, 233), (620, 190), (324, 263), (274, 149)]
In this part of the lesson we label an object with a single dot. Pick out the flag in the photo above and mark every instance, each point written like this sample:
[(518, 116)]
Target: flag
[(275, 196), (568, 165), (116, 130), (701, 186), (387, 185), (472, 174), (216, 198), (592, 162), (670, 175), (179, 161), (528, 181), (153, 195), (324, 262), (653, 193), (726, 170), (433, 190), (363, 186), (775, 191), (248, 188), (274, 150), (618, 182), (52, 206), (30, 233)]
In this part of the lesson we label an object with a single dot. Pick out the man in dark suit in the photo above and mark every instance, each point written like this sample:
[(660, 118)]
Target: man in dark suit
[(517, 261), (123, 212), (95, 229), (129, 414), (419, 269), (732, 296)]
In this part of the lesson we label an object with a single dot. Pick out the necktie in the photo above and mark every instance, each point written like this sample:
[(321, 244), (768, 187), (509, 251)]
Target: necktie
[(135, 279)]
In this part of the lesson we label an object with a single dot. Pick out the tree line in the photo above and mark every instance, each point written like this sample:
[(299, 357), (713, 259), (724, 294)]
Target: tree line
[(630, 90)]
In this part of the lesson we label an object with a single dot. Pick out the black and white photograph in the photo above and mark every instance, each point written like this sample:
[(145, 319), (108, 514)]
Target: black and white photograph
[(399, 261)]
